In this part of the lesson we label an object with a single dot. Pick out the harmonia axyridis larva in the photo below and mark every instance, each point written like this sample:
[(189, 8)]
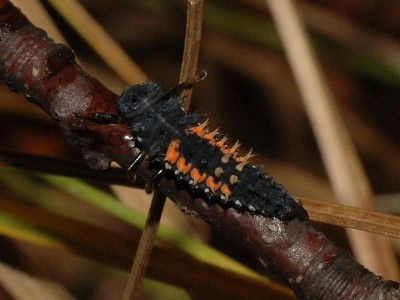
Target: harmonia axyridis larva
[(182, 145)]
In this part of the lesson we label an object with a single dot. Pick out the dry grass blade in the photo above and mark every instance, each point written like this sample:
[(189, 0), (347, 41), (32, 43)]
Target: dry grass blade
[(188, 70), (352, 217), (189, 66), (191, 50), (351, 34), (99, 40), (38, 15), (145, 247), (342, 162), (320, 211), (64, 167), (167, 264), (389, 203), (22, 286)]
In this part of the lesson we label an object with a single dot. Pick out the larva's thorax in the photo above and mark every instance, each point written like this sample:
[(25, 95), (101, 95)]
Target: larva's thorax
[(155, 118), (198, 156)]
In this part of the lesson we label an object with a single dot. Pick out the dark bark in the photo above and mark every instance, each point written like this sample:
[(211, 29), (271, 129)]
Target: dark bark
[(47, 74)]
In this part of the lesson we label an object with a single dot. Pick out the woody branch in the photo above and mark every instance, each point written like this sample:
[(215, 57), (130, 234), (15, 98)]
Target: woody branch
[(32, 64)]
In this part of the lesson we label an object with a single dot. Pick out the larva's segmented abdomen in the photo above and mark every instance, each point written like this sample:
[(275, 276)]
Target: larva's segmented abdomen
[(205, 166), (197, 156)]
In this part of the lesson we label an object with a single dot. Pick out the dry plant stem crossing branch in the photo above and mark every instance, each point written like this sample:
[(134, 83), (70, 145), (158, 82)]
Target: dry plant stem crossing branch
[(32, 64), (330, 213), (188, 70), (145, 247), (191, 51)]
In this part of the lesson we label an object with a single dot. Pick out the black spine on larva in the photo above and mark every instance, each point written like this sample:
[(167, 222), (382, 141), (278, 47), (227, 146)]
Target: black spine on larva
[(157, 118)]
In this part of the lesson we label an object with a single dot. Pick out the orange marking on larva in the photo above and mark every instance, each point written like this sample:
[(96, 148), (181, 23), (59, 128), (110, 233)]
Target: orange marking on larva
[(212, 184), (182, 166), (172, 154), (244, 159), (199, 130), (233, 150), (221, 143), (226, 191), (196, 176), (210, 136)]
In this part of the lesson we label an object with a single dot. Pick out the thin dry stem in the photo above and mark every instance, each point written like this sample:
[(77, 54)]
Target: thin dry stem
[(38, 14), (99, 40), (343, 165), (188, 70), (343, 30), (145, 247), (192, 45), (351, 217), (20, 285)]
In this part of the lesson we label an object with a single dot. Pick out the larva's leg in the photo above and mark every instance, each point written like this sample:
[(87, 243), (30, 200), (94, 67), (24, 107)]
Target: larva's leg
[(149, 184), (134, 165)]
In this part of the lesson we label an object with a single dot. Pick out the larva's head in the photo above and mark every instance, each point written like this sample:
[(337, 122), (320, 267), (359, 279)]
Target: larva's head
[(137, 98), (156, 118)]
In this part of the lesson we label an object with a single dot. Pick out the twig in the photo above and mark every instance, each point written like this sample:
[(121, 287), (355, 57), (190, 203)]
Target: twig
[(191, 50), (188, 70), (145, 247), (342, 163), (351, 217)]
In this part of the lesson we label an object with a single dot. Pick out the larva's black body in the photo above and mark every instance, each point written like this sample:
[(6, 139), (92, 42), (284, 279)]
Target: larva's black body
[(178, 142)]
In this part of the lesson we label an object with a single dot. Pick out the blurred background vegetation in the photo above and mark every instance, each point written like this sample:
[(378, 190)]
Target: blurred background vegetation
[(46, 221)]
